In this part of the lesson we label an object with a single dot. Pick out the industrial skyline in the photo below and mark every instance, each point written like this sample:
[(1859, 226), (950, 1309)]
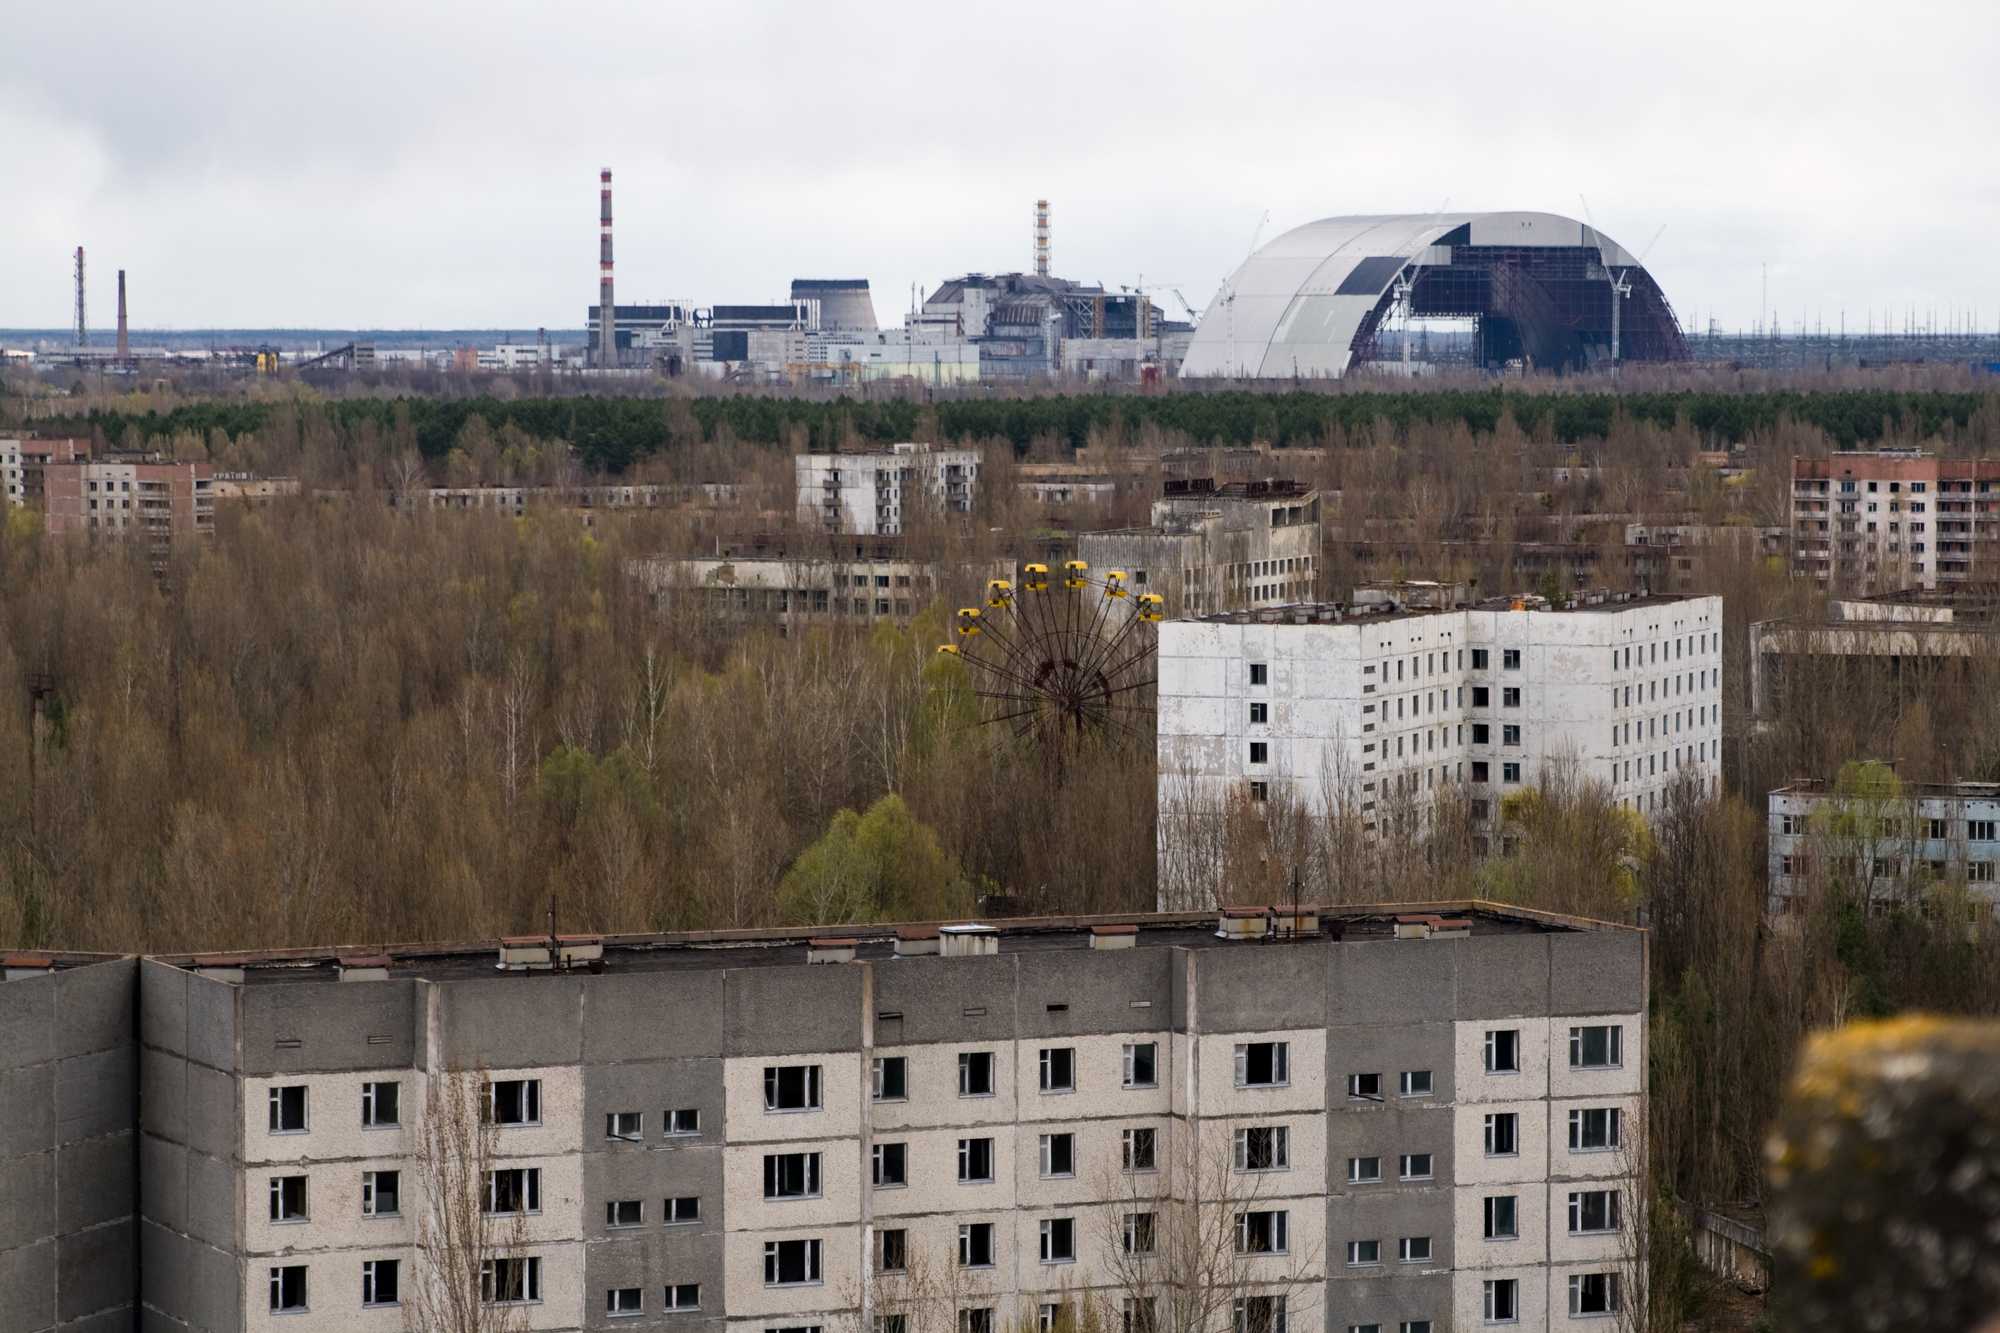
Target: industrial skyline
[(424, 201)]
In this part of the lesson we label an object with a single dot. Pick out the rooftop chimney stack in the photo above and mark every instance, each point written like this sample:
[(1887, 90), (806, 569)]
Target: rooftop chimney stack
[(124, 343), (82, 325), (607, 329), (1041, 238)]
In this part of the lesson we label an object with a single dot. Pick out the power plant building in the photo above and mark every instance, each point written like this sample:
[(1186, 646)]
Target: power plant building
[(1415, 1118), (1544, 292)]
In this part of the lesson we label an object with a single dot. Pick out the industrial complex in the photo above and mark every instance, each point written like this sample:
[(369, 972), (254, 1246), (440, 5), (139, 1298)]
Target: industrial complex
[(1332, 298)]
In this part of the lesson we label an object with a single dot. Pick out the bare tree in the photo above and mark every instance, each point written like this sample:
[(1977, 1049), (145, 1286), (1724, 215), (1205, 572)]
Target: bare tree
[(1183, 1252), (458, 1242)]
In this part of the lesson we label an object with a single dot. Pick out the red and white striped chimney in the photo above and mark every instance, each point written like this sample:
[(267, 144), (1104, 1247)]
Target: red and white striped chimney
[(607, 329)]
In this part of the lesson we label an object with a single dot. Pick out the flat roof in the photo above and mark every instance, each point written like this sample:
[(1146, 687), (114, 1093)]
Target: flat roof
[(468, 960), (1318, 613)]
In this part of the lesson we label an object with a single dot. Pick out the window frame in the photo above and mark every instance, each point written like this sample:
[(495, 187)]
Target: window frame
[(1494, 1206), (1578, 1129), (810, 1263), (969, 1234), (1614, 1046), (881, 1158), (968, 1154), (1129, 1144), (1047, 1149), (880, 1076), (1364, 1254), (969, 1065), (615, 1129), (1357, 1165), (1503, 1043), (529, 1104), (1152, 1062), (1278, 1148), (1057, 1062), (279, 1111), (1406, 1083), (1406, 1246), (611, 1207), (1405, 1163), (811, 1090), (1058, 1232), (783, 1168), (281, 1280), (1510, 1123), (371, 1105), (1279, 1059), (371, 1193), (372, 1273), (1275, 1231)]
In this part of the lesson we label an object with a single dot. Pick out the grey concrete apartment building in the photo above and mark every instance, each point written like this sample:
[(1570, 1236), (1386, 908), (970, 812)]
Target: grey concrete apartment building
[(1405, 1118)]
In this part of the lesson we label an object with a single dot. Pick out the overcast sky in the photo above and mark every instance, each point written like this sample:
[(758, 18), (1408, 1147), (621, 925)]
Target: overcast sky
[(435, 164)]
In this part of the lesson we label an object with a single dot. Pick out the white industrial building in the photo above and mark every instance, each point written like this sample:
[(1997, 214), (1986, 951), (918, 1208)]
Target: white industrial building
[(1334, 709), (878, 491)]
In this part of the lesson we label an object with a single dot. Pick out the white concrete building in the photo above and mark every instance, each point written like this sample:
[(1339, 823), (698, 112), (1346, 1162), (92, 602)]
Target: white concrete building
[(877, 492), (1330, 707)]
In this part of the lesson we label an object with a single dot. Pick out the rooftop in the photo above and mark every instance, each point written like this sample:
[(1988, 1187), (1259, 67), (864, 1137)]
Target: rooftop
[(466, 960), (1306, 613)]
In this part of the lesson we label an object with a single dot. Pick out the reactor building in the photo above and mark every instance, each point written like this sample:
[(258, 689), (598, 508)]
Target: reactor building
[(1544, 292)]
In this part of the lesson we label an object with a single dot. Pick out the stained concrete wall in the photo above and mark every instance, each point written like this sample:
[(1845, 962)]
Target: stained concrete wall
[(191, 1223), (68, 1114)]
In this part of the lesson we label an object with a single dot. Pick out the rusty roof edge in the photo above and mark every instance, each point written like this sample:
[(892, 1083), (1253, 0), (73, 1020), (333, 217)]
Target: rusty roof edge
[(886, 931)]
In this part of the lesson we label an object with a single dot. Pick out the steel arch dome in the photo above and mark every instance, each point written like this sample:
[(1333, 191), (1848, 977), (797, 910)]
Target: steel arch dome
[(1313, 301)]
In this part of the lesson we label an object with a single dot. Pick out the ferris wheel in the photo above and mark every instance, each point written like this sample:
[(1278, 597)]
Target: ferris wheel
[(1059, 662)]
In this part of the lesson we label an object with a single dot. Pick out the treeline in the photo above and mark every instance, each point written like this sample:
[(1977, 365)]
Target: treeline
[(611, 433)]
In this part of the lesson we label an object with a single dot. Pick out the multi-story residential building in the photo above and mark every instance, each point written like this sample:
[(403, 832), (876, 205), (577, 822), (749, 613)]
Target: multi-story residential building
[(843, 577), (1946, 631), (1239, 545), (1389, 1116), (1331, 707), (24, 464), (1894, 519), (878, 492), (131, 495), (1898, 846)]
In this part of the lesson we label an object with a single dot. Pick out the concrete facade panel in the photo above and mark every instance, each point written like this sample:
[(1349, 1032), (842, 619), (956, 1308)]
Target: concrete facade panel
[(516, 1021), (163, 1173), (211, 1022), (163, 1003), (27, 1109), (97, 1093), (1596, 972), (935, 994), (95, 1271), (334, 1024), (98, 1181), (163, 1094), (211, 1112), (1507, 975), (29, 1186), (27, 1021), (209, 1186), (793, 1010), (1097, 989), (96, 1007), (1392, 981), (1259, 988), (655, 1089), (627, 1017), (28, 1277), (1392, 1301)]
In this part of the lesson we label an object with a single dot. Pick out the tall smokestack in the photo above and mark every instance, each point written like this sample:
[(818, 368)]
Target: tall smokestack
[(607, 329), (82, 324), (1041, 238), (124, 343)]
